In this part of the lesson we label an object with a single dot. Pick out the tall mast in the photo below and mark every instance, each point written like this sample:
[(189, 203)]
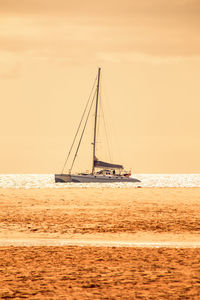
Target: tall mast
[(95, 121)]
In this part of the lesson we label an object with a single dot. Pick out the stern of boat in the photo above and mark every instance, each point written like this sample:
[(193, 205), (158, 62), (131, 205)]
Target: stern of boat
[(63, 178)]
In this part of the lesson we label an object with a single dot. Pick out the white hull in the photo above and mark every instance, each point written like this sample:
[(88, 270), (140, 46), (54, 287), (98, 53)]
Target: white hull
[(93, 178)]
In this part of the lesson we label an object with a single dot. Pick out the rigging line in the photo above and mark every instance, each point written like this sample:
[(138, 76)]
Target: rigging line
[(106, 133), (99, 116), (79, 126), (109, 120), (82, 134)]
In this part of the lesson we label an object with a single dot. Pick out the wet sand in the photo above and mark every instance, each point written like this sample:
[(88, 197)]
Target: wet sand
[(148, 218)]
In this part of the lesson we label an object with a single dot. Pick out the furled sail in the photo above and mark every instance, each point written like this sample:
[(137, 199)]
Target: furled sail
[(102, 164)]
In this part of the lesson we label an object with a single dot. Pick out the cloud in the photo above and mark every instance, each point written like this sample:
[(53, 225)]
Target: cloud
[(134, 57), (112, 7), (74, 30)]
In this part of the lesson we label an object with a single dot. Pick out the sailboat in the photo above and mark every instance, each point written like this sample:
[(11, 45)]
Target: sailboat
[(101, 171)]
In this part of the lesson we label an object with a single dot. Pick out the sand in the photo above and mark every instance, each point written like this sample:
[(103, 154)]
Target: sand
[(99, 273), (161, 226)]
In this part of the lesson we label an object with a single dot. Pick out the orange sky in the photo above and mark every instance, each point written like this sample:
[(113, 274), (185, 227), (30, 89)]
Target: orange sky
[(149, 52)]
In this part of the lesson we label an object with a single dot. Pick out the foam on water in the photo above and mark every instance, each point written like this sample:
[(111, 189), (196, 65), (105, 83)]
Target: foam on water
[(147, 180), (95, 243)]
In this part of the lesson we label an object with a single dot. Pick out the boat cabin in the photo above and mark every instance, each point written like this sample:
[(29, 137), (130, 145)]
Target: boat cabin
[(112, 172), (106, 172)]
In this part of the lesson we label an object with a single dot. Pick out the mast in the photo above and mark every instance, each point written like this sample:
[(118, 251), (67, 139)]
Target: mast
[(95, 121)]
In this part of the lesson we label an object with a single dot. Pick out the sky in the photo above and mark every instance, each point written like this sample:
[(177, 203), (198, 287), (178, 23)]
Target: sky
[(149, 54)]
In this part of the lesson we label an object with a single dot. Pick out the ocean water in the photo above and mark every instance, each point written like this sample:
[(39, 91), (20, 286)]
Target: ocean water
[(147, 180)]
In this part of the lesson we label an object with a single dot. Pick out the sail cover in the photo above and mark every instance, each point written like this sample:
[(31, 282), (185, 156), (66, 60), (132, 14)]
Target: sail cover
[(102, 164)]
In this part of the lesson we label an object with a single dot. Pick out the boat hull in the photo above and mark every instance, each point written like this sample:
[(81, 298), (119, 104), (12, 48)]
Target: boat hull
[(92, 178)]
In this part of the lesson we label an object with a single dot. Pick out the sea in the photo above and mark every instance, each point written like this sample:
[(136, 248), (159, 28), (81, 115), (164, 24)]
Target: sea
[(38, 181)]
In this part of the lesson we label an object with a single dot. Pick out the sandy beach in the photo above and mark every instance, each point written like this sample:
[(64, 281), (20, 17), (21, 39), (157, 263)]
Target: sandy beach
[(160, 225)]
